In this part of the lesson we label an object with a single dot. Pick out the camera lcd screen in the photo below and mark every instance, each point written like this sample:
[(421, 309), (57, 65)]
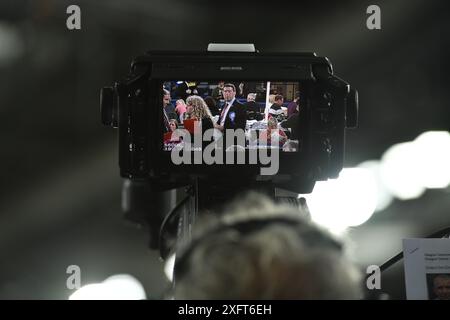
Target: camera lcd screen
[(233, 115)]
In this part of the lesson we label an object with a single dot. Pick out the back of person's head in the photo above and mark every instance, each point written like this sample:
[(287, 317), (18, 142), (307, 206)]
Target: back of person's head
[(260, 250)]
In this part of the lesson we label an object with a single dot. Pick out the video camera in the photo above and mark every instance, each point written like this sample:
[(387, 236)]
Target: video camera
[(158, 143), (327, 107)]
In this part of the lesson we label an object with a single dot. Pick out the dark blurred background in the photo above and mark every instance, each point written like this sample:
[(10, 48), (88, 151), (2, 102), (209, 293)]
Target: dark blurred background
[(60, 185)]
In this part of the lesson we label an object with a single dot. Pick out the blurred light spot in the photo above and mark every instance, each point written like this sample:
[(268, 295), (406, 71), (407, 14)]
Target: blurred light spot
[(117, 287), (347, 201), (399, 171), (11, 44), (409, 168), (95, 291), (168, 267), (384, 197), (433, 159)]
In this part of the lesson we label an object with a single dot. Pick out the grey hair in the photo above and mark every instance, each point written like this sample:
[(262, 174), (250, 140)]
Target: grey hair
[(279, 261), (251, 97)]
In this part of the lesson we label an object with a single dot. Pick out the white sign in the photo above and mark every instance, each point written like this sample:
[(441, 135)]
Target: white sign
[(427, 269)]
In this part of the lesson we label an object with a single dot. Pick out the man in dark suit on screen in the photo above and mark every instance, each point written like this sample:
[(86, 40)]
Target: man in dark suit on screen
[(233, 115)]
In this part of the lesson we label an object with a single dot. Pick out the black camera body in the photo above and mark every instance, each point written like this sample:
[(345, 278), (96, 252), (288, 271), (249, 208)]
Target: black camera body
[(328, 106)]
